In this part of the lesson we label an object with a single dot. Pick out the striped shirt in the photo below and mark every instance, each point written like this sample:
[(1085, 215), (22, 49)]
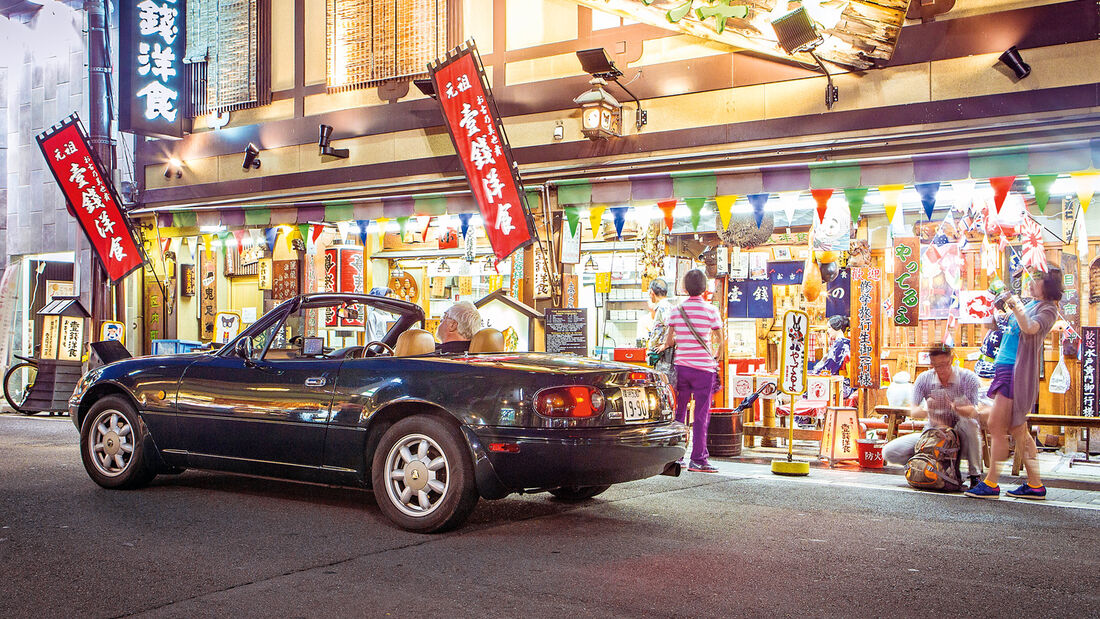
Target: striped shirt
[(705, 318), (963, 386)]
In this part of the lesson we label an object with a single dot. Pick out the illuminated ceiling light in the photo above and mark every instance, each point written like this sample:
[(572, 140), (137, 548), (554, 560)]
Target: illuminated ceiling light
[(174, 168), (1014, 61), (596, 63), (251, 157), (328, 153), (795, 33)]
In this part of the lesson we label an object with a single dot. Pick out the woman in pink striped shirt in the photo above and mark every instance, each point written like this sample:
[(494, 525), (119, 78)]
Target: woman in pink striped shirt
[(695, 329)]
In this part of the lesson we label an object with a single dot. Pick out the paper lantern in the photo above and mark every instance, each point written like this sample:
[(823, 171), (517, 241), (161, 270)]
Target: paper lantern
[(344, 272)]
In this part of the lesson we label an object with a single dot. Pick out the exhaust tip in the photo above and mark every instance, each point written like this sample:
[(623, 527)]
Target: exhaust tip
[(672, 469)]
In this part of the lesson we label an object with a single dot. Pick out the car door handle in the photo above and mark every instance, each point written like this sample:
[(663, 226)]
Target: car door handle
[(316, 381)]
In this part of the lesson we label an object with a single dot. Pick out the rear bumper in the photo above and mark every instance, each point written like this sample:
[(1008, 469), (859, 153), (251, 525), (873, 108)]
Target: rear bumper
[(574, 457)]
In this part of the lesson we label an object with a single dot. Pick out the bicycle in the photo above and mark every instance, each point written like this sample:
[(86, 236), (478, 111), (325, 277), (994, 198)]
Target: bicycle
[(19, 382)]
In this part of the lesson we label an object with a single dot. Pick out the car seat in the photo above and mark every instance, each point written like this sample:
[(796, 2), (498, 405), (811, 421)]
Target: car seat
[(487, 340), (414, 342)]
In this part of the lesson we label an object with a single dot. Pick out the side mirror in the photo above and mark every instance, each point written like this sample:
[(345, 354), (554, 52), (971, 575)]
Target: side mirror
[(243, 349)]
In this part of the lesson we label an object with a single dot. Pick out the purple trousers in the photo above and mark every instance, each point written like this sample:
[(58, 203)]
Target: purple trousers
[(692, 382)]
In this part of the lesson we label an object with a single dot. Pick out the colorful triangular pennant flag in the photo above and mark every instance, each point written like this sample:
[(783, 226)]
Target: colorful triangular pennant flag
[(855, 197), (667, 206), (695, 205), (1041, 183), (758, 201), (573, 217), (724, 205), (595, 216), (1086, 185), (618, 215), (1001, 185), (927, 193), (891, 194), (821, 197), (963, 192)]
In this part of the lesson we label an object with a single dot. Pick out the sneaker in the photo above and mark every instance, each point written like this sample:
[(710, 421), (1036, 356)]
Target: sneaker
[(974, 481), (983, 491), (701, 467), (681, 462), (1027, 492)]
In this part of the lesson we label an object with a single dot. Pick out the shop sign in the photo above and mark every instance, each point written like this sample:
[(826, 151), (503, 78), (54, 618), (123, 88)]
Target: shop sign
[(785, 272), (474, 126), (793, 358), (251, 255), (50, 327), (151, 49), (603, 283), (906, 281), (344, 273), (264, 273), (722, 261), (465, 286), (284, 282), (839, 435), (112, 330), (228, 325), (187, 280), (570, 288), (154, 311), (749, 299), (570, 245), (1090, 372), (208, 304), (801, 239), (91, 197), (837, 296), (865, 326), (71, 343), (516, 281)]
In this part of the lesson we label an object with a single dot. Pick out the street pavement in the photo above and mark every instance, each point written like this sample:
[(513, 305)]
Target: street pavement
[(738, 543)]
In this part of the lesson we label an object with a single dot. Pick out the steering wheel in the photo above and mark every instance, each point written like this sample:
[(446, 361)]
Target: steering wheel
[(296, 341), (385, 348)]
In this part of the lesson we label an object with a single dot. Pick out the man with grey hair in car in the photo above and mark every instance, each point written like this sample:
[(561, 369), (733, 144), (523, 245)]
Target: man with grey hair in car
[(459, 323)]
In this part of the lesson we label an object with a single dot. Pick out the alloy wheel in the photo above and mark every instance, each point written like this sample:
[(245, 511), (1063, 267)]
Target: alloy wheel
[(111, 443), (417, 475)]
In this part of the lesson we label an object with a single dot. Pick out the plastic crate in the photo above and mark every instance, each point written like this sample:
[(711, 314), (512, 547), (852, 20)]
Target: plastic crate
[(174, 347)]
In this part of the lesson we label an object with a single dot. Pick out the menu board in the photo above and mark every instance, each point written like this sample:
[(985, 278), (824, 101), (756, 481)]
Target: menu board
[(1090, 372), (284, 283), (567, 331)]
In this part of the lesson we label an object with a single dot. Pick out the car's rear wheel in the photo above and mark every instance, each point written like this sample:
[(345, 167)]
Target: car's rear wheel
[(422, 475), (113, 446), (577, 493)]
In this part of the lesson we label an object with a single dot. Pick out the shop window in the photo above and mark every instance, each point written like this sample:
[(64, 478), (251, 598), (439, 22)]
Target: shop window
[(228, 55), (370, 41)]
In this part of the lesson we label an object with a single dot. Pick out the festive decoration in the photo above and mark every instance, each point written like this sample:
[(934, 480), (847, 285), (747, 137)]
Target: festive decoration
[(964, 194), (1086, 185), (1031, 234), (271, 234), (427, 221), (618, 215), (990, 258), (927, 192), (362, 225), (855, 197), (667, 206), (821, 197), (595, 216), (790, 202), (949, 331), (1000, 185), (695, 205), (402, 224), (1042, 183), (463, 223), (811, 281), (724, 205), (891, 194), (758, 200), (573, 217)]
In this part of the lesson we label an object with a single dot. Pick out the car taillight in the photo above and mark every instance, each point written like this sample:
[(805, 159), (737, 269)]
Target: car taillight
[(639, 377), (574, 401)]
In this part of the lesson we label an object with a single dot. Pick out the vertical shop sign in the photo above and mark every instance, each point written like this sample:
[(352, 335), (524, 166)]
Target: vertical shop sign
[(865, 325), (793, 357), (91, 197), (264, 273), (151, 49), (1071, 302), (838, 293), (1090, 372), (72, 338), (906, 281), (50, 327), (344, 273), (570, 244), (187, 280), (154, 311), (474, 126), (208, 306)]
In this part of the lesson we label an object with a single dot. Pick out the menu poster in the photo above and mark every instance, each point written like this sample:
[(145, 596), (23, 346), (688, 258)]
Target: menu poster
[(284, 282), (567, 331), (865, 325), (906, 281), (208, 305), (1090, 372)]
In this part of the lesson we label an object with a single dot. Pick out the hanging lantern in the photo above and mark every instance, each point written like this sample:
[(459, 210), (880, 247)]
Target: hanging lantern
[(344, 272), (601, 114)]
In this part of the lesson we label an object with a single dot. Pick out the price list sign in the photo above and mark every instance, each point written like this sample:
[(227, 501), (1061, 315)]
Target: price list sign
[(1090, 372), (906, 282), (567, 331)]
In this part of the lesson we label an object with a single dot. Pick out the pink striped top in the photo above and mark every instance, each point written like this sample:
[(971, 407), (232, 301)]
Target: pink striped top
[(705, 318)]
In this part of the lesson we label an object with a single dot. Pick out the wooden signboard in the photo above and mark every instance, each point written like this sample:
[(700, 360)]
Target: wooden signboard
[(208, 304), (571, 294), (906, 281), (154, 312), (50, 328), (284, 282), (1070, 306), (188, 285), (866, 325), (265, 273), (71, 342), (567, 331), (1090, 372)]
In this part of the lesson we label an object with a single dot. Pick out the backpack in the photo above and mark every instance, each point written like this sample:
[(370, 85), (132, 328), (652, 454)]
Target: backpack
[(935, 462)]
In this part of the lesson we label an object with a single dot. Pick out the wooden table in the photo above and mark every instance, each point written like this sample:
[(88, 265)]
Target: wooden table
[(894, 416)]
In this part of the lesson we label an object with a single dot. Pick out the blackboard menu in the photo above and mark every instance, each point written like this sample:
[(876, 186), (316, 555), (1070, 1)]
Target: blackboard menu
[(567, 331), (1090, 372)]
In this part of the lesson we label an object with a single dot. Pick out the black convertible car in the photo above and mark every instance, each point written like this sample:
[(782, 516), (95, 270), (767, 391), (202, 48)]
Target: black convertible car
[(428, 432)]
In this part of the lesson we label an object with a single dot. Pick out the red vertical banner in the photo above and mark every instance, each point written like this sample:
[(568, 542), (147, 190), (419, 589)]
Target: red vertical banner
[(91, 197), (474, 125), (906, 281), (865, 327)]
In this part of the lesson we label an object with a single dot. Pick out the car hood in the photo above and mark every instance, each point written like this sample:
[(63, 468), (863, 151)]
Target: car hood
[(547, 362)]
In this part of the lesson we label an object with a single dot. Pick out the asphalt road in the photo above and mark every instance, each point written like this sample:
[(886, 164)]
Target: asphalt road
[(740, 543)]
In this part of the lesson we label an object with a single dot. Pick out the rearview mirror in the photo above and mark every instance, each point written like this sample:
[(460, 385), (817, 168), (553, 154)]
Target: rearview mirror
[(243, 349)]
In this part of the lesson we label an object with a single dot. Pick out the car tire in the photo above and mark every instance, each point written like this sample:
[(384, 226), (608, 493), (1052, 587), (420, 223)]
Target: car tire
[(577, 493), (114, 445), (422, 475)]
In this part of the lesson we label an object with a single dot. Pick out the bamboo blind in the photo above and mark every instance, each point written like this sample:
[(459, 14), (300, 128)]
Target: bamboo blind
[(370, 41), (225, 34)]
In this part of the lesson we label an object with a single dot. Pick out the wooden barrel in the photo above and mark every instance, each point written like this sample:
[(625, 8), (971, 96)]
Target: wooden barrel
[(724, 432)]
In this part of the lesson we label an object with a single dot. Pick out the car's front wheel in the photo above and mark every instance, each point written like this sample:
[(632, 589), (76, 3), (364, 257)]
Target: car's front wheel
[(577, 493), (422, 475), (113, 446)]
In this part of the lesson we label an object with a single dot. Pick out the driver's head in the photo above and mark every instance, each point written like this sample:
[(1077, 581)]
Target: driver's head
[(459, 322)]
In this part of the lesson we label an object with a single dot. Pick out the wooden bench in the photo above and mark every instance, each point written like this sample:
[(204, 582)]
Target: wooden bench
[(1066, 421)]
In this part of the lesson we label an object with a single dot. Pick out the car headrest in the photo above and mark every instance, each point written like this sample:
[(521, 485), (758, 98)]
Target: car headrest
[(487, 340), (414, 342)]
